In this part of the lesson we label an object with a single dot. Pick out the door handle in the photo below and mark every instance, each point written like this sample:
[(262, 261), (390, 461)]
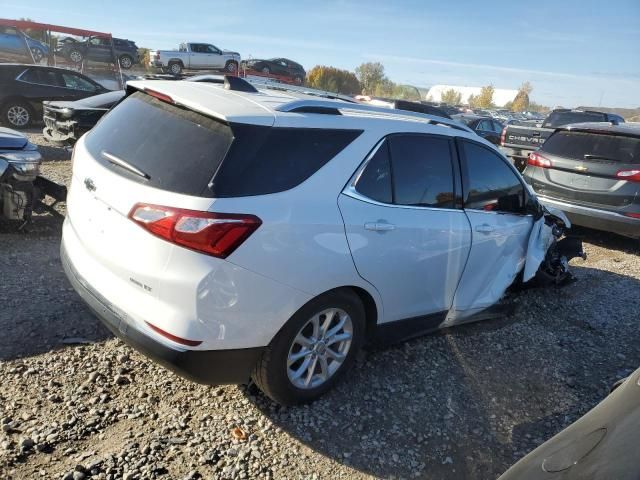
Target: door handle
[(379, 227), (484, 228)]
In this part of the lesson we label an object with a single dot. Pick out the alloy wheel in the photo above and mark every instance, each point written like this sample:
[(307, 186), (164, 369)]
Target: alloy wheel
[(125, 62), (75, 56), (18, 116), (320, 348)]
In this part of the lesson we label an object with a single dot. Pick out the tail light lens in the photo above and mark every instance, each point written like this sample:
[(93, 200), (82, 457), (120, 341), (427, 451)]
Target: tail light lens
[(538, 160), (629, 175), (503, 136), (633, 215), (216, 234)]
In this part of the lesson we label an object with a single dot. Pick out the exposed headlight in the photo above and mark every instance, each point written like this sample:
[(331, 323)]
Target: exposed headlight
[(23, 156)]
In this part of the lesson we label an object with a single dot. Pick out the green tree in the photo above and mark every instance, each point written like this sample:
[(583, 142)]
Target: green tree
[(521, 102), (451, 97), (484, 99), (373, 79), (333, 80)]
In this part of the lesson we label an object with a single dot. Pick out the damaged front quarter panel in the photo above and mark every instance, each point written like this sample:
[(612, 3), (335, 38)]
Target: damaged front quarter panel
[(548, 256)]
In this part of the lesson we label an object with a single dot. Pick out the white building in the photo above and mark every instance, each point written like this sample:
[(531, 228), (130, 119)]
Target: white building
[(500, 95)]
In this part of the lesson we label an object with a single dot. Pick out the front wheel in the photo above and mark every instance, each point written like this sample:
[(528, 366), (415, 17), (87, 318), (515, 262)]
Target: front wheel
[(231, 67), (313, 350), (175, 68), (76, 56), (37, 53)]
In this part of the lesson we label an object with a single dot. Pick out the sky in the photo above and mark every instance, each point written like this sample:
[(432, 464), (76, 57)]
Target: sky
[(573, 52)]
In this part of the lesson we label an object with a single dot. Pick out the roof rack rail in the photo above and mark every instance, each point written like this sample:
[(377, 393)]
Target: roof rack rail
[(285, 87), (317, 106)]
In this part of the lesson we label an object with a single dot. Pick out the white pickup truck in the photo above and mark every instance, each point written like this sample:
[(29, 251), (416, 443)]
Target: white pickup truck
[(194, 56)]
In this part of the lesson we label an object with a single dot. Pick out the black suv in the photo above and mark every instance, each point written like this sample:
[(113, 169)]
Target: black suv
[(591, 171), (23, 88), (98, 49)]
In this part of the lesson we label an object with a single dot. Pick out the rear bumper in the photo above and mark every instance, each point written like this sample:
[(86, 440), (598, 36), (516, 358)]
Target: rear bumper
[(596, 218), (212, 367)]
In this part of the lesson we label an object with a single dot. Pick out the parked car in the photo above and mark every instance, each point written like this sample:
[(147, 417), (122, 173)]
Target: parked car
[(194, 56), (517, 141), (279, 67), (98, 49), (12, 45), (21, 186), (591, 171), (65, 121), (197, 235), (601, 445), (486, 127), (23, 88)]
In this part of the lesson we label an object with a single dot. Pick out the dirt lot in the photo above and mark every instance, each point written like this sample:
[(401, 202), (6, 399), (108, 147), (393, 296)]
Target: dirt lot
[(464, 403)]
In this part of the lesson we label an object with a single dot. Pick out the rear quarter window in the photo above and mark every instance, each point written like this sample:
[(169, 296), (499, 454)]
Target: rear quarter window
[(265, 160), (581, 145)]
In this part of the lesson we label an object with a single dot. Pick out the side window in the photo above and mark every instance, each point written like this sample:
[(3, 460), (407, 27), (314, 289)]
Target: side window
[(375, 180), (422, 171), (77, 83), (41, 77), (492, 184), (484, 125), (497, 127)]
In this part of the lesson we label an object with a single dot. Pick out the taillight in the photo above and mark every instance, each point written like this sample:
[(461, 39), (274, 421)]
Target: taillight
[(503, 136), (630, 175), (216, 234), (633, 215), (538, 160)]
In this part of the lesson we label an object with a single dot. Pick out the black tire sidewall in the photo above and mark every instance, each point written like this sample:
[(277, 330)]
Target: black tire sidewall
[(280, 387)]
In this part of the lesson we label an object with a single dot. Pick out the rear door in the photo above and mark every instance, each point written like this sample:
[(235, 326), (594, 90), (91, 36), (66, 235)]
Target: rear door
[(585, 165), (406, 234), (494, 202)]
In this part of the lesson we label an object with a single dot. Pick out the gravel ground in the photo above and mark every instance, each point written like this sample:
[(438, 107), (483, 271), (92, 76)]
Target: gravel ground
[(464, 403)]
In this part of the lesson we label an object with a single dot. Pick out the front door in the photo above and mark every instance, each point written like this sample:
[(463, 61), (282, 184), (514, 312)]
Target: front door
[(406, 236), (500, 228)]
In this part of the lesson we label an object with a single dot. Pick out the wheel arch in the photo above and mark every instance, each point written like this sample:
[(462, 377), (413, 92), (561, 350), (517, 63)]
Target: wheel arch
[(175, 60)]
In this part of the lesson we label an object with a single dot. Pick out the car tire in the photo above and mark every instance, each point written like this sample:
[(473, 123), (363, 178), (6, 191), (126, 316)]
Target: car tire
[(290, 373), (265, 70), (175, 68), (126, 62), (298, 80), (17, 114), (231, 66), (37, 53), (76, 56)]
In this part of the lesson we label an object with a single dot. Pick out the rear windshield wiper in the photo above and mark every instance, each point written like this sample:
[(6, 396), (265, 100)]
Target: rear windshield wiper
[(111, 158), (588, 156)]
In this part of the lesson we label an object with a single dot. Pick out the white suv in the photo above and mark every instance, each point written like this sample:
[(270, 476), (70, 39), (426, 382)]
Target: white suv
[(233, 233)]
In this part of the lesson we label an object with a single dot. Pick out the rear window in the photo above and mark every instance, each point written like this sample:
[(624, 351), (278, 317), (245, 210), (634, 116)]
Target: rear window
[(559, 119), (266, 160), (179, 150), (583, 145)]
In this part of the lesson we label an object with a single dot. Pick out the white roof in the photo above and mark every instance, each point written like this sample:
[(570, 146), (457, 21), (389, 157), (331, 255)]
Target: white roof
[(263, 107), (500, 95)]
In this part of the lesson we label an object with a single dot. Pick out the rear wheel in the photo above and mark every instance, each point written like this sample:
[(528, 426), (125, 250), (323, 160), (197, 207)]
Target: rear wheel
[(125, 61), (17, 114), (298, 80), (313, 350), (266, 70), (175, 68)]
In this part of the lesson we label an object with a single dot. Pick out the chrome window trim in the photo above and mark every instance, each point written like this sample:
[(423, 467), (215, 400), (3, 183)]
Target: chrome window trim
[(19, 79)]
